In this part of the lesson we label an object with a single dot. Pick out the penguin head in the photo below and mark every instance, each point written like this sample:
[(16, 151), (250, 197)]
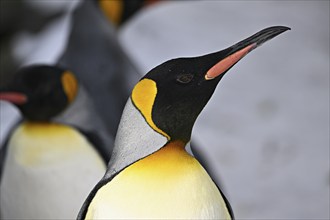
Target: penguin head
[(172, 95), (41, 92)]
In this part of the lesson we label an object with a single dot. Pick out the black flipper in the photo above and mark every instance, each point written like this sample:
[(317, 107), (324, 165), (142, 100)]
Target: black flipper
[(98, 144)]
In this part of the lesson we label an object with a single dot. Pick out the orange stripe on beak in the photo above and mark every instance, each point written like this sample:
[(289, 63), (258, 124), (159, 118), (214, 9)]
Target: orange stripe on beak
[(228, 62), (14, 97)]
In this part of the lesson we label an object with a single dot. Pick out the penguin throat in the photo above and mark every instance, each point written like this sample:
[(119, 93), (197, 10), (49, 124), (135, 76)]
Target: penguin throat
[(175, 145), (135, 139)]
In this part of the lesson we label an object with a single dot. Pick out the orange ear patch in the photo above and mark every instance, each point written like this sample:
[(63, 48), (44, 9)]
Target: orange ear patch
[(228, 62), (143, 97), (70, 85)]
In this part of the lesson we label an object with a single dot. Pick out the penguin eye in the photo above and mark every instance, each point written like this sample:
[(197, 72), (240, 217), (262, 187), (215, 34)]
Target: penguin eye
[(184, 78)]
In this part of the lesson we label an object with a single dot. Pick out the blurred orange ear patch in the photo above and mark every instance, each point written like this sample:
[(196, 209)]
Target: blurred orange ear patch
[(227, 62), (112, 9), (70, 85)]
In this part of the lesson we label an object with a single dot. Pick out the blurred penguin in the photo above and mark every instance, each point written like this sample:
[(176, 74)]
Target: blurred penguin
[(94, 54), (49, 167)]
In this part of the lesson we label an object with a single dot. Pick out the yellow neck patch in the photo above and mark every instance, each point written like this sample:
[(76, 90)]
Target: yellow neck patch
[(70, 85), (143, 97)]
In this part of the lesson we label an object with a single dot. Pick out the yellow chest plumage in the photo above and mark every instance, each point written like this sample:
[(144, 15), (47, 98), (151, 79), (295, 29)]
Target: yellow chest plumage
[(44, 144), (167, 184)]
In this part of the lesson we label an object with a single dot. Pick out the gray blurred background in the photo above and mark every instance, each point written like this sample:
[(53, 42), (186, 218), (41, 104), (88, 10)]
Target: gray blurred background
[(266, 129)]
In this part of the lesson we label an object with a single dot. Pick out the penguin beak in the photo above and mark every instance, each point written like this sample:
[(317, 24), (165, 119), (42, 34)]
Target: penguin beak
[(236, 52), (16, 98)]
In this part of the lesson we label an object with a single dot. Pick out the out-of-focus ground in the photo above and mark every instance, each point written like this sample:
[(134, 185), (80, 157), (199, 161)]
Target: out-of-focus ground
[(266, 128)]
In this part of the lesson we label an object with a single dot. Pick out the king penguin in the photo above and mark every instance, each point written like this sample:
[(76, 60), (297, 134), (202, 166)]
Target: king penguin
[(151, 175), (49, 168)]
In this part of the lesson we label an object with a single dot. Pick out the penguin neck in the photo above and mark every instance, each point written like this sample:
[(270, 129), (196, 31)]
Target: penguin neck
[(175, 147), (172, 154), (135, 140)]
